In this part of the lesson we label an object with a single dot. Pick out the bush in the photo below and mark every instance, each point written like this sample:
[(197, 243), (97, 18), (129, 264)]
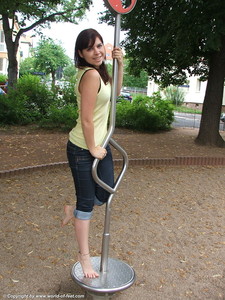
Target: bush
[(145, 114), (174, 95), (14, 112), (37, 95), (68, 92), (32, 102), (3, 78), (60, 117)]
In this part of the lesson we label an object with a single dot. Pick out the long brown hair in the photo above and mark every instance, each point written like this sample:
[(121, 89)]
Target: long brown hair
[(85, 39)]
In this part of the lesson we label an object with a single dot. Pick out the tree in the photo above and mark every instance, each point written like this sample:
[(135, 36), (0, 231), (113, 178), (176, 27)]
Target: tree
[(131, 80), (28, 15), (69, 71), (169, 38), (27, 66), (139, 81), (49, 57)]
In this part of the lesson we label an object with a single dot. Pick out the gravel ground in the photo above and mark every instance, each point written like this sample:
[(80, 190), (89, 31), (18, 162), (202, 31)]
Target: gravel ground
[(167, 222)]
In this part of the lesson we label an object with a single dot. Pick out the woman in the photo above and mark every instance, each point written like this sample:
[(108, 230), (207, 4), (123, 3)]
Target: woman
[(93, 90)]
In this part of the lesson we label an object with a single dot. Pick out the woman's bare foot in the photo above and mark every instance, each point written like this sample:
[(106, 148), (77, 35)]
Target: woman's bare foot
[(85, 262), (68, 209)]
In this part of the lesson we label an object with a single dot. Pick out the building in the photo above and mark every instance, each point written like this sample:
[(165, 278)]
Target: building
[(194, 91), (3, 53), (25, 47), (108, 51), (24, 51)]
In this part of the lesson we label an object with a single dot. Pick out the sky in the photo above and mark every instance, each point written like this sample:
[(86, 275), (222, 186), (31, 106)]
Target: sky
[(66, 33)]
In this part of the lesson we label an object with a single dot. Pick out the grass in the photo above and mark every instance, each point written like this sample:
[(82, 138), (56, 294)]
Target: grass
[(189, 110)]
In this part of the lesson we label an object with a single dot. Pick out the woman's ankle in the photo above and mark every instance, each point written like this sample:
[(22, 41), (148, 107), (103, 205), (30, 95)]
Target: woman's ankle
[(85, 261)]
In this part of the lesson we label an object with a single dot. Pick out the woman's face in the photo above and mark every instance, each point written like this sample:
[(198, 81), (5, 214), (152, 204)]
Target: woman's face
[(94, 55)]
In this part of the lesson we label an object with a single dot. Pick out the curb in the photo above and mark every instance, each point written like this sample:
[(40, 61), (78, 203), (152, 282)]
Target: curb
[(176, 161)]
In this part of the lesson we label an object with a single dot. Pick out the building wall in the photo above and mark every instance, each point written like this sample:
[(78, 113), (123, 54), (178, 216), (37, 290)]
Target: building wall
[(108, 51), (152, 88), (194, 92), (3, 53), (26, 43)]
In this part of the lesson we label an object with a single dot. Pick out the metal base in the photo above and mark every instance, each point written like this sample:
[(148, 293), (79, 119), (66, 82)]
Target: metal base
[(119, 276)]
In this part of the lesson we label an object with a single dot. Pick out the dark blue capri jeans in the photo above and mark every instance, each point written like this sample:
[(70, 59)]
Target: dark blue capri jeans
[(88, 192)]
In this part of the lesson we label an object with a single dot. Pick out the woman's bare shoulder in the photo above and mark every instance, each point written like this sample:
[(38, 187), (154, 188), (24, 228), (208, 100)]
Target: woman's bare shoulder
[(91, 74)]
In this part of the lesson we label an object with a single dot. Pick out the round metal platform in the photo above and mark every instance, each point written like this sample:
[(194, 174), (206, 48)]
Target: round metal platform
[(119, 276)]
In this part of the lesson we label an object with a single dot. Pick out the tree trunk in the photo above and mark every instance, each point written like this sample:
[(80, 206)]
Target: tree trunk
[(210, 121), (12, 67), (53, 78), (12, 48)]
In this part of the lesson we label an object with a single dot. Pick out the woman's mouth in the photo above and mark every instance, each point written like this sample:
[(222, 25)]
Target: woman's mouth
[(99, 58)]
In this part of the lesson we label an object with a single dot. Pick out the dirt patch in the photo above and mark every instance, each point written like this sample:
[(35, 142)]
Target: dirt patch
[(165, 223), (22, 147)]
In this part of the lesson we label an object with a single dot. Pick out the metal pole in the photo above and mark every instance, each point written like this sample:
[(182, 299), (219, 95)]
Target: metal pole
[(106, 235), (114, 83)]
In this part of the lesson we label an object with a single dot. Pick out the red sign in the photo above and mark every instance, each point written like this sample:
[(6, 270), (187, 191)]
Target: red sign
[(117, 6)]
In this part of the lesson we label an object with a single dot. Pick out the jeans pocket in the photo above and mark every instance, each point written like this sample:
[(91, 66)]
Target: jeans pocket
[(77, 156)]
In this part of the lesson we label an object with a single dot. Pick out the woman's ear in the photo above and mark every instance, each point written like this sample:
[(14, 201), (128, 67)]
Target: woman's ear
[(80, 53)]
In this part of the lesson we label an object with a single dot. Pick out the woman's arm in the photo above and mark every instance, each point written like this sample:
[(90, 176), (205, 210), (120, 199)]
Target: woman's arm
[(88, 87), (118, 55)]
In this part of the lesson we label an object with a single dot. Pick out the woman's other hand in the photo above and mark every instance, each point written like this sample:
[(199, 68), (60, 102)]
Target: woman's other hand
[(117, 53), (98, 152)]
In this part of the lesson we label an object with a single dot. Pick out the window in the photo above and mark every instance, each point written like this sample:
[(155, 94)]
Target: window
[(2, 37), (2, 42), (1, 64), (198, 85)]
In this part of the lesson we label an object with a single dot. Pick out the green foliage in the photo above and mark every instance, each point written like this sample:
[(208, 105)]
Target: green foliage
[(34, 15), (32, 102), (63, 112), (37, 95), (189, 110), (145, 114), (168, 37), (68, 92), (49, 57), (3, 78), (27, 103), (69, 71), (45, 11), (15, 111), (60, 117), (138, 81), (27, 66), (174, 95)]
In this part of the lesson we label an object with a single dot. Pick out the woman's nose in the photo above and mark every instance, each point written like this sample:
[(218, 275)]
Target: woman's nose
[(96, 50)]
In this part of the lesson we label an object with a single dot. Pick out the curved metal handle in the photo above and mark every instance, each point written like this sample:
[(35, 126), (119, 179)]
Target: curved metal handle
[(121, 174)]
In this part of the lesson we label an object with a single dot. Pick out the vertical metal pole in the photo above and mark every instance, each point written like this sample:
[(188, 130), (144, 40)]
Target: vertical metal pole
[(115, 70), (106, 235), (114, 83)]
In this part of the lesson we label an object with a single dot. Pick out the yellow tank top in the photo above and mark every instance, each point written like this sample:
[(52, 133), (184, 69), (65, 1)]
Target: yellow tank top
[(101, 114)]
